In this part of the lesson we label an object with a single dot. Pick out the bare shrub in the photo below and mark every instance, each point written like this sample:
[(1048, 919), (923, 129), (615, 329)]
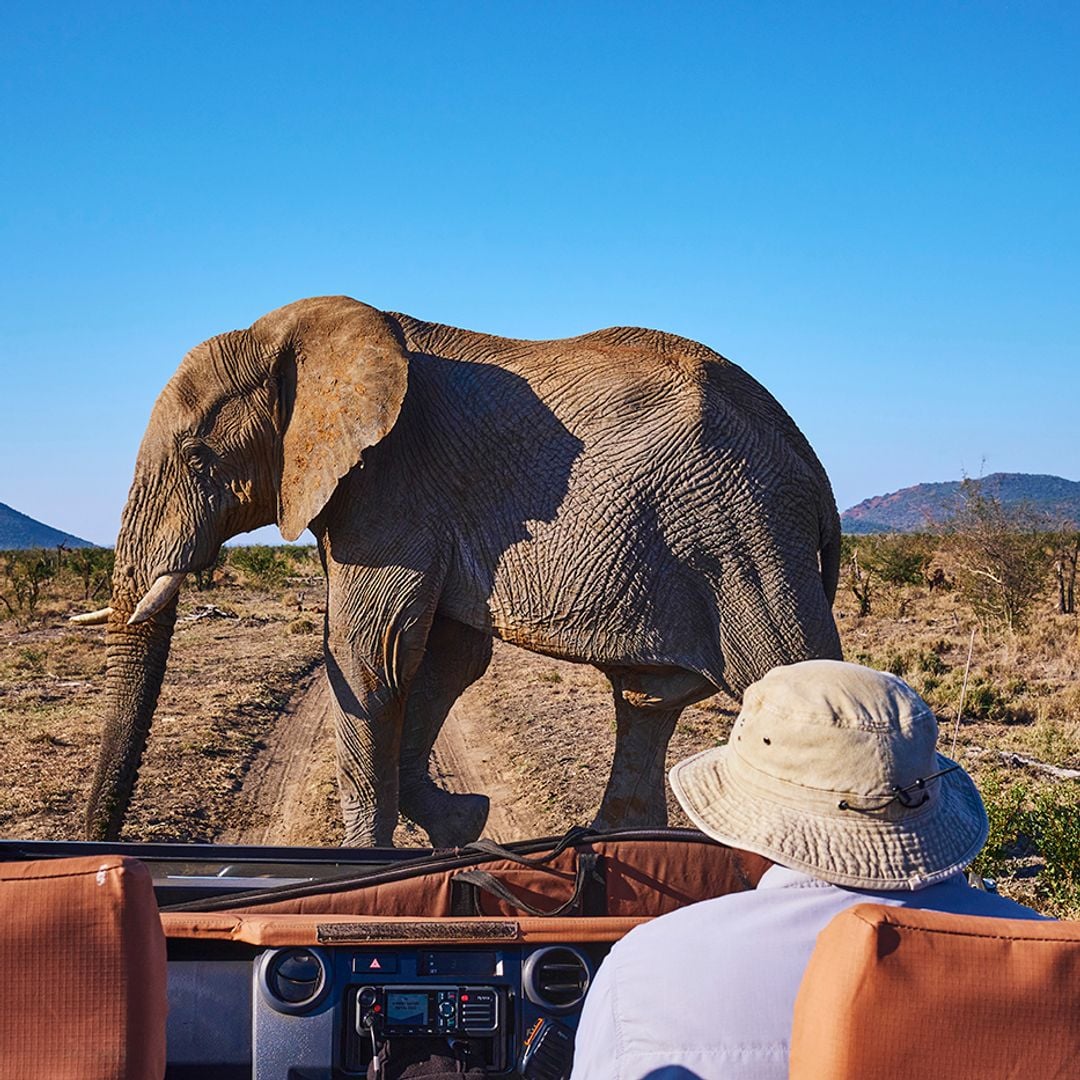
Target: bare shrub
[(1002, 557), (860, 578), (1065, 552)]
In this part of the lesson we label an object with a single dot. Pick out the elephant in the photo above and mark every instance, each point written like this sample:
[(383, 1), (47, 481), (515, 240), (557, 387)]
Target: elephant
[(626, 498)]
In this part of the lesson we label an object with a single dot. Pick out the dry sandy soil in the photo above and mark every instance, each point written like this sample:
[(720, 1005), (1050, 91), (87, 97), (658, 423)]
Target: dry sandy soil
[(534, 734), (242, 747), (232, 671)]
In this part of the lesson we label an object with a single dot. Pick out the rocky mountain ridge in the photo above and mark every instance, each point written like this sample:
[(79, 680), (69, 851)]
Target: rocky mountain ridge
[(923, 506), (20, 531)]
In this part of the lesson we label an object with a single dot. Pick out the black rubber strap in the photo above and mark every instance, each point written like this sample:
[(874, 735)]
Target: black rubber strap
[(589, 896), (570, 837)]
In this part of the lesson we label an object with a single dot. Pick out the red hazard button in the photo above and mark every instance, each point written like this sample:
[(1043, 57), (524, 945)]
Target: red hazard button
[(383, 963)]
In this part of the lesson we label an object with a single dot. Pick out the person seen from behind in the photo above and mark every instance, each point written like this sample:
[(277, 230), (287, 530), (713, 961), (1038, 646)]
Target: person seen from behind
[(831, 771)]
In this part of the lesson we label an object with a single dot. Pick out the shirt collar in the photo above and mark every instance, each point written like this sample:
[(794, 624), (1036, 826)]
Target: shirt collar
[(783, 877)]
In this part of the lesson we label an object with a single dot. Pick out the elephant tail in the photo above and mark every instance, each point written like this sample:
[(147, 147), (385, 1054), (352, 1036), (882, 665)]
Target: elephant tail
[(830, 563)]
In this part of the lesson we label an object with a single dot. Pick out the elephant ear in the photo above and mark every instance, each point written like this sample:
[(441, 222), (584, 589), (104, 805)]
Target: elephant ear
[(342, 371)]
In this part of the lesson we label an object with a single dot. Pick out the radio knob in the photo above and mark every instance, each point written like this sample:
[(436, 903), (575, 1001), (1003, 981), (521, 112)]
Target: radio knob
[(447, 1008), (366, 998)]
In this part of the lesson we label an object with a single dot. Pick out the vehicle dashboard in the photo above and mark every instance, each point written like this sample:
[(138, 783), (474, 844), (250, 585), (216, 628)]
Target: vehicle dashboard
[(323, 1011), (304, 964)]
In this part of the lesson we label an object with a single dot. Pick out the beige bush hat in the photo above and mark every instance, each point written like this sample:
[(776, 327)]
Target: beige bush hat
[(831, 769)]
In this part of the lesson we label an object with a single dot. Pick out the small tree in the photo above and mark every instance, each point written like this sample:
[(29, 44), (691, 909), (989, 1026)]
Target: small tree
[(1001, 554), (25, 576), (92, 567), (1065, 548), (861, 582)]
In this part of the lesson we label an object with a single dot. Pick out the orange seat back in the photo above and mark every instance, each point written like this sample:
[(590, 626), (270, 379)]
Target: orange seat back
[(83, 989), (897, 992)]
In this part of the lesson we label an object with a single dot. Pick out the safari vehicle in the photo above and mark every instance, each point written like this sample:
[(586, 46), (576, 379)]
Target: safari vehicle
[(139, 960), (305, 963)]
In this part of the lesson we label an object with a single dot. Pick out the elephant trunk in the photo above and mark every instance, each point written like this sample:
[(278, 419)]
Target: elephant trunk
[(136, 656)]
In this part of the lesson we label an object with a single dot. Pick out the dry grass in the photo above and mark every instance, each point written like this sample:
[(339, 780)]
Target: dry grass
[(1023, 697), (228, 676), (551, 723)]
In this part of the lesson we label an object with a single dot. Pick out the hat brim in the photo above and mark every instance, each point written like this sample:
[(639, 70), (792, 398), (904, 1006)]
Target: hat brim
[(857, 850)]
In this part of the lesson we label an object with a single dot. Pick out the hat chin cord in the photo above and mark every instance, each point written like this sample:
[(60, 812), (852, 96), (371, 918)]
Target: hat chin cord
[(902, 795)]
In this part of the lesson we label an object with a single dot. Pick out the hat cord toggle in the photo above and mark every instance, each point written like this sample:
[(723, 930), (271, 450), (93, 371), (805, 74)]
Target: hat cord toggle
[(902, 794)]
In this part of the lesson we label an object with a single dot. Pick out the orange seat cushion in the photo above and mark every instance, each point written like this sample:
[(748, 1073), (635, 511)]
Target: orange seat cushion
[(898, 992), (83, 992)]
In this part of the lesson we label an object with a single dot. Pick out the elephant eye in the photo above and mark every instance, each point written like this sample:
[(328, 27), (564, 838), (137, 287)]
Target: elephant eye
[(197, 457)]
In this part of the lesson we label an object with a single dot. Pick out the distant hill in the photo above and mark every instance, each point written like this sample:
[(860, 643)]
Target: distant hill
[(19, 531), (918, 508)]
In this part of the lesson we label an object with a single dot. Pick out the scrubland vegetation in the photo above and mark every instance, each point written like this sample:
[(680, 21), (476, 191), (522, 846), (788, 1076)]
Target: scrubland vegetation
[(1001, 585), (250, 630)]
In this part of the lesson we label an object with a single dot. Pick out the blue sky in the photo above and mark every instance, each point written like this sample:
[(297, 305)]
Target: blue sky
[(874, 209)]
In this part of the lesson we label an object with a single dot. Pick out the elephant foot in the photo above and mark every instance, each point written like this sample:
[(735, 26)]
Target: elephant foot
[(449, 819), (365, 827), (363, 837), (630, 814)]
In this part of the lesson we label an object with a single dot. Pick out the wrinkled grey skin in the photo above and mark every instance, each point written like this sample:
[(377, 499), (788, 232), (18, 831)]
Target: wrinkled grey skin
[(627, 499)]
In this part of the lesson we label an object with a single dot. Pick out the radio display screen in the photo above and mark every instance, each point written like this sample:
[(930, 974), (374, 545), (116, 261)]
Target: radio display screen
[(407, 1010)]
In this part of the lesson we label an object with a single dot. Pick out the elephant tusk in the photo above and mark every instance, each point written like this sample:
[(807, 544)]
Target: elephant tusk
[(158, 595), (92, 618)]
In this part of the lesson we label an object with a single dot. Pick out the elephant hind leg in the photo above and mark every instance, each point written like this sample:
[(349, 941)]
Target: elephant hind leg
[(455, 657), (647, 706)]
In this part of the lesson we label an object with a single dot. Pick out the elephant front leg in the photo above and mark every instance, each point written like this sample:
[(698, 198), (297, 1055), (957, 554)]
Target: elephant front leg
[(455, 657), (367, 726), (377, 626)]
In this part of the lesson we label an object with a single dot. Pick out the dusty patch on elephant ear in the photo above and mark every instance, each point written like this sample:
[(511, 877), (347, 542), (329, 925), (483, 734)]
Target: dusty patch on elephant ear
[(344, 373)]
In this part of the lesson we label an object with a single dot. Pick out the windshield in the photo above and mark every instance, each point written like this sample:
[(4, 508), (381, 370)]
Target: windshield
[(242, 746), (243, 750)]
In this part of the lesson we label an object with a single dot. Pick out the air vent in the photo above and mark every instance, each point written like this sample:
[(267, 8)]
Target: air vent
[(556, 978), (293, 979), (549, 1052)]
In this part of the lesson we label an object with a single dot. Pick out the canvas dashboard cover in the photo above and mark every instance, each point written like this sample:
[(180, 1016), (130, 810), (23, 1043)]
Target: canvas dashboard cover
[(629, 874)]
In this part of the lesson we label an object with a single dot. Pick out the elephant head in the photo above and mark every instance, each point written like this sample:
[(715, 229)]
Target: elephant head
[(256, 426)]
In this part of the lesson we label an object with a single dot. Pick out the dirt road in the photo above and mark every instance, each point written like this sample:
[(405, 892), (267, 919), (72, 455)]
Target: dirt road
[(280, 801), (534, 734), (289, 796)]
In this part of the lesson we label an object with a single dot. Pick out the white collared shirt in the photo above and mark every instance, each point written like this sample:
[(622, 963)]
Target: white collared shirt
[(709, 991)]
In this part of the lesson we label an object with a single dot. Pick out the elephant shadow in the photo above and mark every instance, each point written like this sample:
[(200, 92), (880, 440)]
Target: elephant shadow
[(475, 461)]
